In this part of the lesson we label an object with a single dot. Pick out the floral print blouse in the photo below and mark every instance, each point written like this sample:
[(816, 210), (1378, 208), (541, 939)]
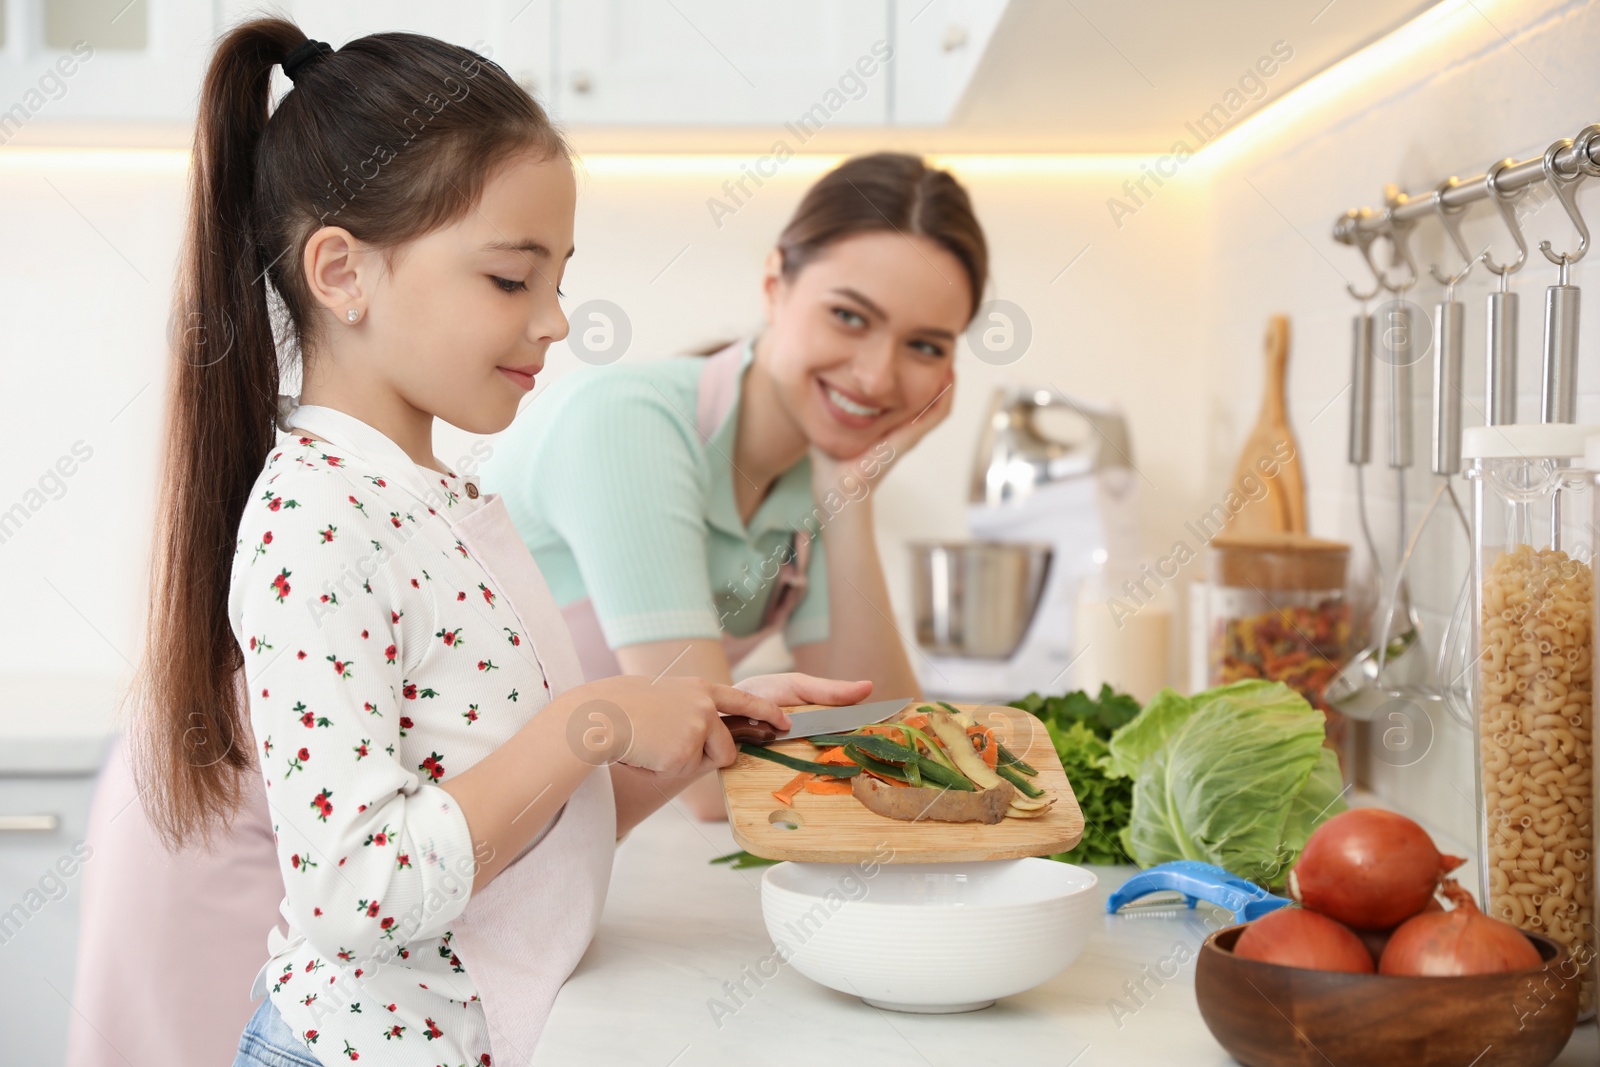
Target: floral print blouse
[(379, 662)]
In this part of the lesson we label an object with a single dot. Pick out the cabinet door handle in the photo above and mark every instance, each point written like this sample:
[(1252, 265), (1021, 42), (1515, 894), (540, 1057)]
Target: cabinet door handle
[(28, 823)]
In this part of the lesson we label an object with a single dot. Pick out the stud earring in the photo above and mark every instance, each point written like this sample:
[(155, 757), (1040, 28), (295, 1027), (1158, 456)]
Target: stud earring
[(352, 314)]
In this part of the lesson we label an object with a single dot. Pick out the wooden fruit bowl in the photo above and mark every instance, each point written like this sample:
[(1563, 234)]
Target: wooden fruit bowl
[(1269, 1015)]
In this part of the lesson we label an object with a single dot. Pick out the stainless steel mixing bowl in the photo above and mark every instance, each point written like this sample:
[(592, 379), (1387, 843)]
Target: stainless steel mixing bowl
[(975, 598)]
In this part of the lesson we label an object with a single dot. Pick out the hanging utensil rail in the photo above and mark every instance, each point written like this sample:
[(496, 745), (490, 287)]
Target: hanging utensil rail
[(1581, 156)]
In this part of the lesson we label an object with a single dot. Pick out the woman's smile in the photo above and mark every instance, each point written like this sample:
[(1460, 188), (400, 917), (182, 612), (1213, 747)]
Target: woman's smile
[(849, 409)]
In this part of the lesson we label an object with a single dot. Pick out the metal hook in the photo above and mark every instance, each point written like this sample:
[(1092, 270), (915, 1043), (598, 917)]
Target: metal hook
[(1363, 242), (1566, 189), (1586, 163), (1399, 234), (1450, 219), (1506, 202), (1450, 281)]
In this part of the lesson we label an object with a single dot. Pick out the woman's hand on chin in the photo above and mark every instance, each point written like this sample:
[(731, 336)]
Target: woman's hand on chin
[(853, 478)]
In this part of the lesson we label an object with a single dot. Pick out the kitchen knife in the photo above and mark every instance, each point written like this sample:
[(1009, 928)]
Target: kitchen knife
[(811, 721)]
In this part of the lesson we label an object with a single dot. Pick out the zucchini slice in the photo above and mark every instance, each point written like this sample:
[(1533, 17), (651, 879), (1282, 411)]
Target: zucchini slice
[(936, 751), (831, 770), (940, 775), (879, 747), (1027, 788), (876, 766), (1008, 758)]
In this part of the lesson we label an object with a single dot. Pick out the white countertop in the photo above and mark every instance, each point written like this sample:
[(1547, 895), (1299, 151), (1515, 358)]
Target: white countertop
[(676, 928)]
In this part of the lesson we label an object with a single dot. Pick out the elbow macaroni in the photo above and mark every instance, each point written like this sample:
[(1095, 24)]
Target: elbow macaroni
[(1535, 736)]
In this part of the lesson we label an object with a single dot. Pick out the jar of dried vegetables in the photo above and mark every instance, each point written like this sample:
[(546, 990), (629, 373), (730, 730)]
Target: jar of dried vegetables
[(1277, 609)]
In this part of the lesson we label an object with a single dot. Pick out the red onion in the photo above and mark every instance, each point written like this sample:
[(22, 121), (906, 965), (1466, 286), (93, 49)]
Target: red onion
[(1295, 937), (1369, 868), (1457, 942)]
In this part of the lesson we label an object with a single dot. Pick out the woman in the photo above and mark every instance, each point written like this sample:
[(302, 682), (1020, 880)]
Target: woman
[(684, 509)]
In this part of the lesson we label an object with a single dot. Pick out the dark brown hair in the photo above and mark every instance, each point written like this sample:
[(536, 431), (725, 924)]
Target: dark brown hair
[(884, 191), (390, 137), (888, 191)]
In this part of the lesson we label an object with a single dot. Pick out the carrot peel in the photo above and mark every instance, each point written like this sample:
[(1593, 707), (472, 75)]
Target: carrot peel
[(787, 794)]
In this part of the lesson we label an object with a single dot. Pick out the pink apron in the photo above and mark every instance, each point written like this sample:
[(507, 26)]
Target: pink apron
[(168, 942), (522, 935), (718, 384)]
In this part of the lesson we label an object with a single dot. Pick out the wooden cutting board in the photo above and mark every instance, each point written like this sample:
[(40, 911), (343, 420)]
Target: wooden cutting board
[(1271, 455), (839, 829)]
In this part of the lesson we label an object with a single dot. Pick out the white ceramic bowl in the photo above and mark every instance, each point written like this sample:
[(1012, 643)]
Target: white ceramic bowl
[(929, 937)]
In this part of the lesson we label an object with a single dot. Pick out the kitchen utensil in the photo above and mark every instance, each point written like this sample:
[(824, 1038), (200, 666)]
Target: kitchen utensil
[(1448, 324), (810, 720), (1016, 456), (996, 616), (1283, 508), (976, 598), (1269, 1015), (838, 829), (1366, 578), (1356, 689), (1449, 321), (1500, 371), (1559, 401), (931, 938), (1197, 881), (1400, 344)]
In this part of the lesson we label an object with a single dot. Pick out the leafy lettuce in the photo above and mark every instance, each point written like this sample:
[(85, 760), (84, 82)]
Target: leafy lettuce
[(1236, 776), (1080, 726), (1105, 802)]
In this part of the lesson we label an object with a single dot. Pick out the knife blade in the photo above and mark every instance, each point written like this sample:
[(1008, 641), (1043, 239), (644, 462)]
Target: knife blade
[(811, 721)]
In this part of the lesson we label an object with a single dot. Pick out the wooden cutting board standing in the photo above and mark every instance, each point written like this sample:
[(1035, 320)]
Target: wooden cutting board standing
[(839, 829), (1283, 508)]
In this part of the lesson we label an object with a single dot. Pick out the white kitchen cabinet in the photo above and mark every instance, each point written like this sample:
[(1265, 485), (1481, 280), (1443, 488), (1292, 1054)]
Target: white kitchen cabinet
[(55, 731), (513, 33), (937, 46), (43, 820), (723, 62), (806, 63), (145, 61), (78, 60)]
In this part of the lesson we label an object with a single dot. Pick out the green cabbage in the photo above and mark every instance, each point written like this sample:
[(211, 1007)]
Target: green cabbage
[(1236, 776)]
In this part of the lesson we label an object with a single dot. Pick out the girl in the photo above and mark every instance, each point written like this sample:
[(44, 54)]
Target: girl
[(682, 509), (443, 791)]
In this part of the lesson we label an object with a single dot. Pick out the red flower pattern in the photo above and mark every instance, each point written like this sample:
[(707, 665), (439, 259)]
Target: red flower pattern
[(309, 512)]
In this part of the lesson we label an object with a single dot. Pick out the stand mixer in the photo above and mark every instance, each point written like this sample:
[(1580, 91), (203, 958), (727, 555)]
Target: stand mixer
[(995, 615)]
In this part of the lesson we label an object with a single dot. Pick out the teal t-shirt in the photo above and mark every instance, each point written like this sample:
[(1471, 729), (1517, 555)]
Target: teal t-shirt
[(619, 499)]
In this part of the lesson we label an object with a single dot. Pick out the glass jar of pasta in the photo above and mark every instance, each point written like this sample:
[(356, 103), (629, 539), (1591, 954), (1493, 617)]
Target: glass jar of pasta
[(1276, 609), (1533, 694)]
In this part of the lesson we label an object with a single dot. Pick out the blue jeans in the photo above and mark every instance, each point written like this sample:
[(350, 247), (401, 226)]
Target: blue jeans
[(267, 1041)]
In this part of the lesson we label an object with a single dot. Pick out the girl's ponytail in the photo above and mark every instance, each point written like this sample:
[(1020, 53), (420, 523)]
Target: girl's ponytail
[(189, 743), (389, 137)]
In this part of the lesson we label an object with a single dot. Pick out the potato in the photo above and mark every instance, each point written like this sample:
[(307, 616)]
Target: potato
[(949, 805)]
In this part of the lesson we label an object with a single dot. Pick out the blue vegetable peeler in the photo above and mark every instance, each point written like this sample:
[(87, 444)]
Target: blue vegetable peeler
[(1198, 881)]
